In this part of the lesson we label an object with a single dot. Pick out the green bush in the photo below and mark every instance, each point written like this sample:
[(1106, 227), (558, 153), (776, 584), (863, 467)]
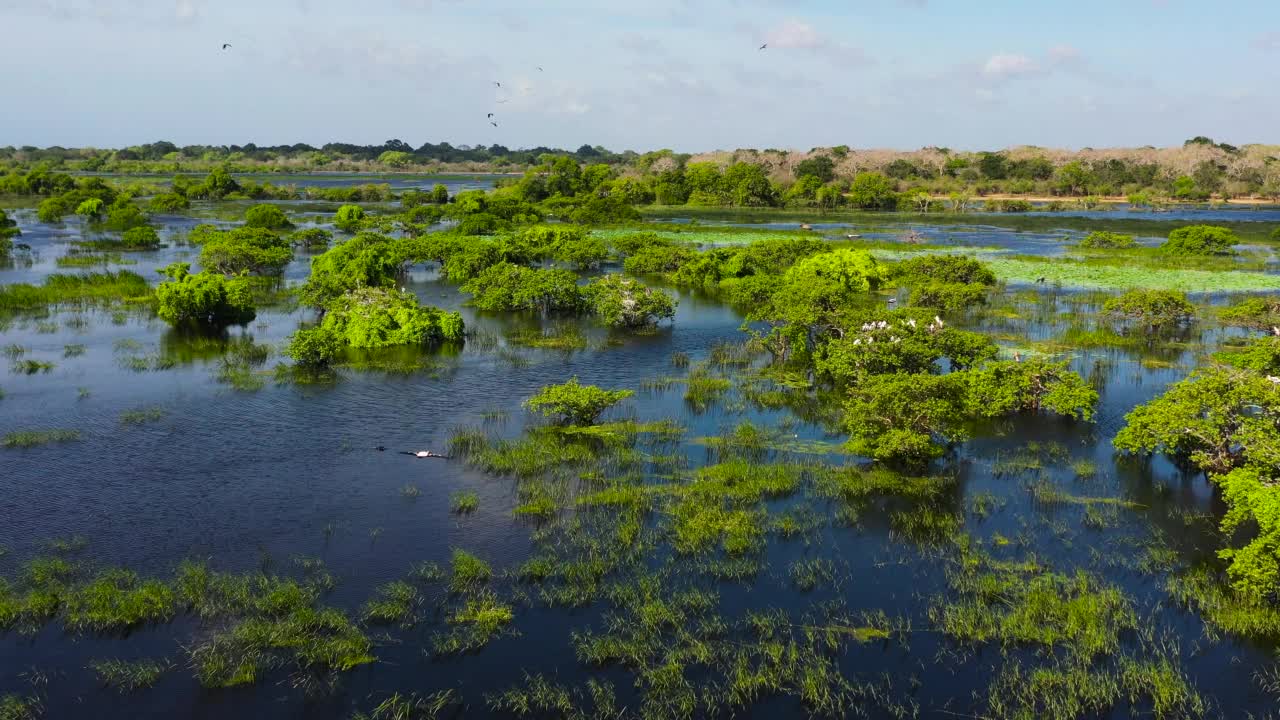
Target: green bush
[(266, 216), (1104, 239), (439, 194), (169, 202), (512, 287), (124, 216), (948, 297), (52, 210), (1260, 313), (348, 218), (942, 268), (314, 347), (1200, 240), (312, 238), (573, 404), (872, 191), (657, 259), (246, 250), (140, 238), (377, 317), (8, 229), (207, 298), (1151, 307), (91, 208), (627, 303), (366, 260)]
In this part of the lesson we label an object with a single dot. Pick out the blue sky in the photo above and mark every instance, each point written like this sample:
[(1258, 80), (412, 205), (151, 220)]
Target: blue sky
[(640, 74)]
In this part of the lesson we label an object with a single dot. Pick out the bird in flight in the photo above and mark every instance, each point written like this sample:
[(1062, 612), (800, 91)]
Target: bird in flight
[(226, 45), (495, 82), (539, 68), (764, 46), (501, 101), (493, 123), (490, 116)]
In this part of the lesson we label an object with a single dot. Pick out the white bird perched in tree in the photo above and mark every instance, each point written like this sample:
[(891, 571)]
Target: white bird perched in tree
[(1273, 379), (1275, 330)]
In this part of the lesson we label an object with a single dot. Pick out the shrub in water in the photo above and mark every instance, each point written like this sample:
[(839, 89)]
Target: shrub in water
[(205, 298), (1200, 240), (375, 317), (574, 404), (266, 216)]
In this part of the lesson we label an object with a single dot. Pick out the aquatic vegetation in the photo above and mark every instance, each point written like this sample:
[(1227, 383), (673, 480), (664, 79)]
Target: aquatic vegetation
[(1074, 688), (1106, 240), (35, 438), (366, 261), (1260, 313), (266, 216), (1151, 308), (127, 675), (1200, 240), (571, 403), (16, 707), (394, 604), (559, 336), (119, 600), (30, 366), (1082, 274), (89, 288), (141, 416), (206, 298), (480, 620), (626, 303), (467, 572), (315, 347), (348, 218), (508, 287), (374, 318), (809, 574), (702, 389), (412, 707), (73, 351), (463, 503)]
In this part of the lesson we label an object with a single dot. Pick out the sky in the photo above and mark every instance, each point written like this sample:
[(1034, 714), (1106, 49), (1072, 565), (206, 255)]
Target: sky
[(641, 74)]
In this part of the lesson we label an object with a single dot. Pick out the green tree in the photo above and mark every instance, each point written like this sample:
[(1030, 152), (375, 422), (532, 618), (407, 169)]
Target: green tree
[(1152, 308), (626, 303), (377, 317), (8, 229), (993, 166), (872, 191), (439, 194), (511, 287), (124, 216), (573, 404), (820, 167), (748, 186), (314, 347), (246, 250), (169, 203), (395, 158), (266, 216), (348, 218), (1200, 240), (93, 209), (1074, 178), (140, 238), (366, 260), (207, 298), (1104, 239)]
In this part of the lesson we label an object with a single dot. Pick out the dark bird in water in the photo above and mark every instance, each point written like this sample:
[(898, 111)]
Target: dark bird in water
[(379, 448), (489, 115), (1040, 279), (493, 123), (764, 46), (226, 45)]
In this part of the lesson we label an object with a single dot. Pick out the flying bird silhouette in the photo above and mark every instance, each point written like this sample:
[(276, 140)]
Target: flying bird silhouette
[(495, 82), (226, 45), (539, 68), (764, 46), (493, 123), (490, 115), (501, 101)]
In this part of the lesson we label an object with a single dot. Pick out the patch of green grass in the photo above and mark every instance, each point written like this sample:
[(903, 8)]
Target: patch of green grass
[(1223, 610), (394, 604), (564, 336), (16, 707), (31, 367), (463, 502), (141, 416), (468, 572), (807, 575), (1044, 492), (35, 438), (65, 289), (480, 620), (119, 600), (129, 675), (1086, 275), (413, 707)]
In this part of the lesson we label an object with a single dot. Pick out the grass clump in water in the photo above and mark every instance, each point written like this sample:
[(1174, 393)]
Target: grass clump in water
[(35, 438), (483, 618), (119, 600), (129, 675), (65, 289), (463, 502), (73, 351), (412, 707), (468, 572), (395, 603), (141, 416), (807, 575), (31, 367)]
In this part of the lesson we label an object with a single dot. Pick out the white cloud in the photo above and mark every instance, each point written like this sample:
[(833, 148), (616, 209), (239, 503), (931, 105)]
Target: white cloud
[(1005, 65), (795, 34)]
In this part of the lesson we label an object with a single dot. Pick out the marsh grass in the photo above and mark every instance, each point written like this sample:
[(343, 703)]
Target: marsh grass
[(410, 492), (142, 416), (702, 389), (36, 438), (129, 675), (395, 603), (413, 707), (809, 574), (1224, 611), (463, 502), (73, 351), (560, 336), (467, 572), (1125, 276), (482, 618), (1046, 494), (17, 707), (29, 366), (89, 288), (13, 351), (241, 366)]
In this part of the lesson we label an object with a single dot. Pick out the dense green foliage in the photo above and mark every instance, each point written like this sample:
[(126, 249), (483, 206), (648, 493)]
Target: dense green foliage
[(375, 317), (366, 260), (1200, 240), (83, 288), (266, 216), (348, 218), (8, 229), (207, 298), (626, 303), (1152, 308), (1106, 240), (245, 250), (314, 347), (574, 404), (506, 286)]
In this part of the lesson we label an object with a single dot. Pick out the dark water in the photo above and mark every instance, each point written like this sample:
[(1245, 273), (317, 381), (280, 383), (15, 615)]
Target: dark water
[(252, 479)]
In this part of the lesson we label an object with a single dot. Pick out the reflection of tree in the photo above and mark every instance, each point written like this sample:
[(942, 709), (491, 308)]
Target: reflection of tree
[(187, 345)]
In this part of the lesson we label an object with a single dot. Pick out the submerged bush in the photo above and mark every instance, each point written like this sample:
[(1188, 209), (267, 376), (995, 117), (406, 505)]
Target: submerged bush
[(367, 260), (1153, 308), (1200, 240), (944, 268), (573, 404), (312, 238), (348, 218), (376, 317), (8, 229), (206, 298), (266, 216), (1101, 239), (169, 202), (1260, 313), (622, 302), (140, 238), (245, 250), (124, 216), (513, 287), (314, 347)]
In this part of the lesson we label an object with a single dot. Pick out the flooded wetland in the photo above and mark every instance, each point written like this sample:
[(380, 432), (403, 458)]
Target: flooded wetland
[(701, 463)]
